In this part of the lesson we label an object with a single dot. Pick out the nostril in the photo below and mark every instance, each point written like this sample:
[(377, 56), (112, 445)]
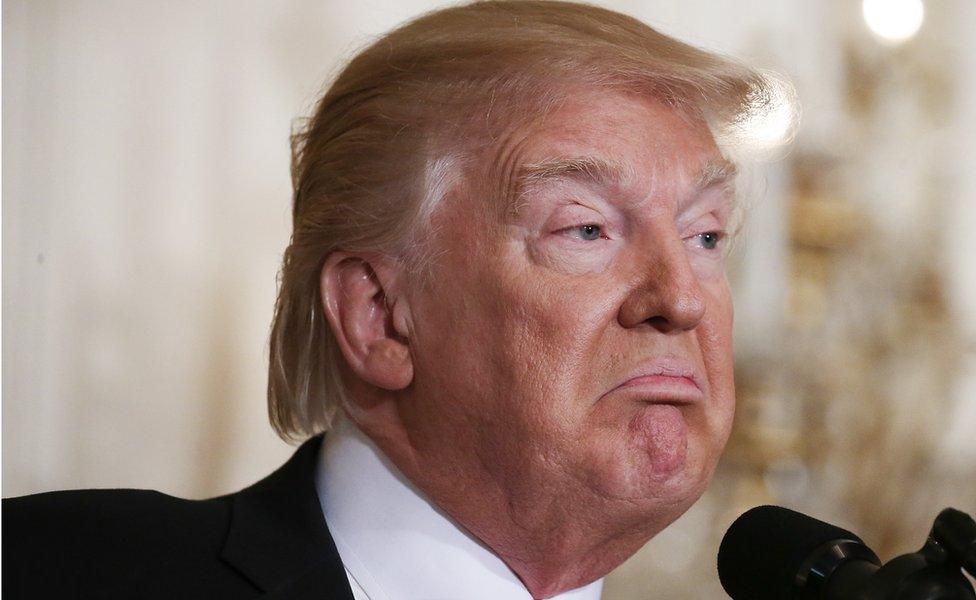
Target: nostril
[(670, 299), (660, 323)]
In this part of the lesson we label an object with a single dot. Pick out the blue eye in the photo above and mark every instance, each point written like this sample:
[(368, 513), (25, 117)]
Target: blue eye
[(588, 232), (710, 239)]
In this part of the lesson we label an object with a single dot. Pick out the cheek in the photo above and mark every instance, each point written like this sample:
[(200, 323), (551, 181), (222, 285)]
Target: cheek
[(715, 339), (545, 348), (549, 331), (563, 255), (509, 337)]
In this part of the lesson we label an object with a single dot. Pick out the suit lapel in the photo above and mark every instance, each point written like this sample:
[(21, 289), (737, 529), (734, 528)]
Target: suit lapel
[(278, 538)]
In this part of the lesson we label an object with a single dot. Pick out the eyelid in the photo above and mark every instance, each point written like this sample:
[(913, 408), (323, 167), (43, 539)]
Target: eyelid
[(713, 227), (571, 212), (704, 223), (719, 210), (603, 230)]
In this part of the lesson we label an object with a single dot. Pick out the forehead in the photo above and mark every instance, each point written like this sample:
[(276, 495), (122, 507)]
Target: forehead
[(635, 141)]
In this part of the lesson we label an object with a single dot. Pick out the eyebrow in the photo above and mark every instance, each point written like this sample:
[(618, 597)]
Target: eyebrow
[(715, 172), (583, 166), (600, 171), (587, 168)]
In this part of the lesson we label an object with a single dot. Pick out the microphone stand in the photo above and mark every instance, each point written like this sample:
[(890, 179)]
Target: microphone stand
[(932, 573)]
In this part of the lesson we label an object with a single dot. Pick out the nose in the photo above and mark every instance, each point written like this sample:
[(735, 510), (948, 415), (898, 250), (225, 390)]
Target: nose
[(666, 293)]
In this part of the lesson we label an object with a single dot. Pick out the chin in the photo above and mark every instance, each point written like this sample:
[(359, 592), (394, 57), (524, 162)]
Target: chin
[(681, 487), (646, 479), (669, 499), (681, 460)]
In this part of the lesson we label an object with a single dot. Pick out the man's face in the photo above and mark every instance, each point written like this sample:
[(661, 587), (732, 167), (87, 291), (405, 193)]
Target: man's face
[(572, 350)]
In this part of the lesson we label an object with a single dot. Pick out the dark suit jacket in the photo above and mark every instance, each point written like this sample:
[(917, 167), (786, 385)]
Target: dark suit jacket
[(267, 541)]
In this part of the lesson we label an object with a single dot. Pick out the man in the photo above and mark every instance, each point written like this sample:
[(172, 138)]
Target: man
[(505, 300)]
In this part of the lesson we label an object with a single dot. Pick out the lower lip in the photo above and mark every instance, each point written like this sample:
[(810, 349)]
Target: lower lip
[(664, 388)]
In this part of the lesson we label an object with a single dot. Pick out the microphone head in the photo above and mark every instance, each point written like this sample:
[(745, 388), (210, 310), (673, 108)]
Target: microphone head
[(764, 549)]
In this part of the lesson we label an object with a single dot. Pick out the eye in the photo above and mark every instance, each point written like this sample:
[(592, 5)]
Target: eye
[(588, 232), (709, 240)]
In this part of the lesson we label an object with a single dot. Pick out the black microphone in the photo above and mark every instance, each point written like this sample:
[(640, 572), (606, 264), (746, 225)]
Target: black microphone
[(773, 553), (769, 548)]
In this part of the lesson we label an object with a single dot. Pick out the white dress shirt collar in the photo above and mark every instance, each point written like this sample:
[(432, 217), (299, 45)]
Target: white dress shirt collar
[(394, 543)]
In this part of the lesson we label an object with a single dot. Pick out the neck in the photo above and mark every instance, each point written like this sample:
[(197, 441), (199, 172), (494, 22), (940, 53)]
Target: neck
[(551, 559), (359, 484), (554, 534), (553, 541), (546, 575)]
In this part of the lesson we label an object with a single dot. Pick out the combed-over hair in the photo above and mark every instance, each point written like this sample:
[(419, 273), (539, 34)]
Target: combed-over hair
[(380, 150)]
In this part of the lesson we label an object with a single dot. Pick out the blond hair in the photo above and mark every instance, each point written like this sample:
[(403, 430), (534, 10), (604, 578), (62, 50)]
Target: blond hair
[(384, 142)]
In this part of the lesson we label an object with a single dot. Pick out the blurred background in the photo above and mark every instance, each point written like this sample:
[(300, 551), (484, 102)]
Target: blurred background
[(146, 205)]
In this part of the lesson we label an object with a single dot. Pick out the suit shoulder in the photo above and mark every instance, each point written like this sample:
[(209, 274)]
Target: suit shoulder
[(71, 511), (70, 537), (86, 500)]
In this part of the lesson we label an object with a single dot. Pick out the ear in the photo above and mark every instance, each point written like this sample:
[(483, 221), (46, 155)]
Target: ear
[(370, 322)]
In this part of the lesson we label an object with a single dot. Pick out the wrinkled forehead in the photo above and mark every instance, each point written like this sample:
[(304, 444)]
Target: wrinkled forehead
[(614, 138)]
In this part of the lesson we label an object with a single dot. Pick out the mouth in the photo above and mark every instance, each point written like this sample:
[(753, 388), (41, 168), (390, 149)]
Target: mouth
[(664, 381)]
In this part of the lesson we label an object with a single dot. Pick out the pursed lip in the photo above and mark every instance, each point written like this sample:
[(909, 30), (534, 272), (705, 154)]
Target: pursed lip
[(666, 380)]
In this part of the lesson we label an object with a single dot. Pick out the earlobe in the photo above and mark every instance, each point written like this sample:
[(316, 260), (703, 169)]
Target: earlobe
[(389, 365), (370, 325)]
